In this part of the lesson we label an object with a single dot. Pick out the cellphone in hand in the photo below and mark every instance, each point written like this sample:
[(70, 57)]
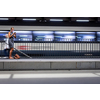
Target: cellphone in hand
[(15, 33)]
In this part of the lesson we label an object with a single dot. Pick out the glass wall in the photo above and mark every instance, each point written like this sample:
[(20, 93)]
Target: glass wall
[(2, 35), (50, 36), (43, 35), (23, 36), (64, 36), (85, 36), (98, 36)]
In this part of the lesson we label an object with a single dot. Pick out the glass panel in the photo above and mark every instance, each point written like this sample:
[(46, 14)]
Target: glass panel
[(85, 36), (2, 35), (98, 36), (64, 36), (23, 36), (43, 35)]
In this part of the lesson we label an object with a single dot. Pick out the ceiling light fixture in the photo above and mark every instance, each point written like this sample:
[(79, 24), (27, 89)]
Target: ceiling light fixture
[(56, 19), (4, 19), (82, 20), (29, 19)]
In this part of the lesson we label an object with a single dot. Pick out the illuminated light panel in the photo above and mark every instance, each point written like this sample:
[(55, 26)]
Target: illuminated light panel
[(24, 39), (88, 37), (4, 19), (85, 32), (23, 31), (56, 19), (98, 32), (82, 20), (29, 19), (59, 32), (44, 32), (70, 37), (49, 36)]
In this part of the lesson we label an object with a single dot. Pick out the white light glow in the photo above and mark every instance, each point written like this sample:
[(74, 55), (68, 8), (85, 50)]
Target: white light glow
[(56, 75), (69, 37), (49, 37), (5, 39), (82, 20), (5, 76), (98, 32), (24, 39), (4, 19), (29, 19), (23, 31), (88, 37), (59, 32), (86, 32), (56, 19), (44, 32)]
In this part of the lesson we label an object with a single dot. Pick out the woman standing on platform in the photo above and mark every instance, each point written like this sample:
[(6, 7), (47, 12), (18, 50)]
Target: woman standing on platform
[(11, 41)]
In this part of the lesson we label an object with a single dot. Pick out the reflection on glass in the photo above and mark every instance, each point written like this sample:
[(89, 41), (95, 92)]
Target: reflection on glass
[(2, 35), (64, 36), (43, 35), (23, 36), (98, 36), (85, 36)]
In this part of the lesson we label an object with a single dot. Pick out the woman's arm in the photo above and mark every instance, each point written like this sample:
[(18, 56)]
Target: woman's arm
[(10, 35), (15, 36)]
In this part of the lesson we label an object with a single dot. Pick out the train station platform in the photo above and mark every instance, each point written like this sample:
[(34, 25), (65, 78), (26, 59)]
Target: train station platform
[(49, 64)]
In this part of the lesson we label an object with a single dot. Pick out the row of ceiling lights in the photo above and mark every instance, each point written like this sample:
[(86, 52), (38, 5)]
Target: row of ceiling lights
[(45, 20)]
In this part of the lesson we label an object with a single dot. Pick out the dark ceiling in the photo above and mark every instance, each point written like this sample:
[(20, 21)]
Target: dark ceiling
[(45, 21)]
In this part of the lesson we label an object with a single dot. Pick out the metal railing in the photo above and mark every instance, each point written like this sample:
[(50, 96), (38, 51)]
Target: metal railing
[(65, 48)]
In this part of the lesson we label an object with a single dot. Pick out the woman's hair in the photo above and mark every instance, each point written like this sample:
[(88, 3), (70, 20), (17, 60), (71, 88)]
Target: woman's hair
[(12, 28)]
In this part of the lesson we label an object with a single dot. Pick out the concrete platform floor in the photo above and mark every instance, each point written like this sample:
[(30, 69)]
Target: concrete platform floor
[(53, 60), (50, 77)]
